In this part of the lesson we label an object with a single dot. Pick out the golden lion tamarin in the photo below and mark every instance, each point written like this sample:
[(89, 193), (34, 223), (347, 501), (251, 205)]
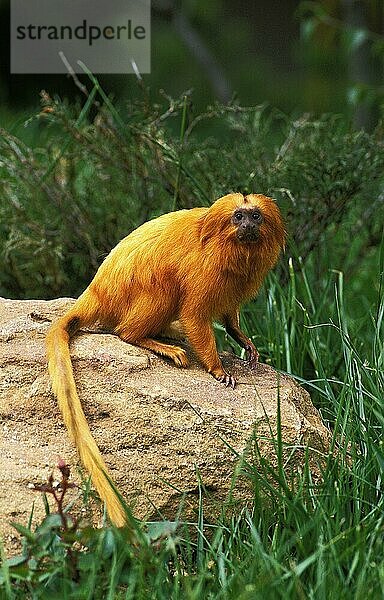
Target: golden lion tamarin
[(194, 266)]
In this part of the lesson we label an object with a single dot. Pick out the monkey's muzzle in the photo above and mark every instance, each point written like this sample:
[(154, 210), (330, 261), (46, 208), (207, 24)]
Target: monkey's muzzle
[(248, 233)]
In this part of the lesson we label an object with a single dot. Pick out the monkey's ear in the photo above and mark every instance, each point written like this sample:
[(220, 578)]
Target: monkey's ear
[(206, 225), (217, 220), (212, 224)]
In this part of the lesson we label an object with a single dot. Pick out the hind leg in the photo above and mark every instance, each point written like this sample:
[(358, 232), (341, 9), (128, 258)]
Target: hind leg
[(143, 322), (175, 353), (174, 331)]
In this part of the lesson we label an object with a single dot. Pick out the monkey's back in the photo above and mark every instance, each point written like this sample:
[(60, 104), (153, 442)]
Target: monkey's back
[(155, 243), (146, 260)]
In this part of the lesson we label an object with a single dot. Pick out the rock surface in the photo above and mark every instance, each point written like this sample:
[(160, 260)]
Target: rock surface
[(159, 428)]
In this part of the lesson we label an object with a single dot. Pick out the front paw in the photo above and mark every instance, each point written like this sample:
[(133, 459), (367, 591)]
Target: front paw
[(228, 380), (252, 356), (224, 377)]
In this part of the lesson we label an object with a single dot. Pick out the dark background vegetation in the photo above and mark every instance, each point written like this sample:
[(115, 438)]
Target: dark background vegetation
[(297, 56), (284, 98)]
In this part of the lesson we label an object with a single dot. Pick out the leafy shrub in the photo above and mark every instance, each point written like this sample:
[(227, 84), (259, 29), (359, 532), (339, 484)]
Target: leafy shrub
[(95, 175)]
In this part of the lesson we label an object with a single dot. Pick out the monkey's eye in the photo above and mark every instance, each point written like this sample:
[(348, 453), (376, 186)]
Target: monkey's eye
[(256, 215), (238, 216)]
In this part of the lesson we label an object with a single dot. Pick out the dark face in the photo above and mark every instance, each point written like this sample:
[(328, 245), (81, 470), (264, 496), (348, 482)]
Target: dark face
[(247, 221)]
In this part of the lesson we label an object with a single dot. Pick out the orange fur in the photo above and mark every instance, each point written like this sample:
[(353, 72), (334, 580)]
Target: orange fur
[(188, 266)]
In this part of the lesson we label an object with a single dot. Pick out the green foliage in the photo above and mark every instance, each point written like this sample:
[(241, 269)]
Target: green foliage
[(95, 174), (353, 45)]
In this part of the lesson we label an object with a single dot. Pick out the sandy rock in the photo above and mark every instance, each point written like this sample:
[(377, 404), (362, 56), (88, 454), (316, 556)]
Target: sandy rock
[(159, 428)]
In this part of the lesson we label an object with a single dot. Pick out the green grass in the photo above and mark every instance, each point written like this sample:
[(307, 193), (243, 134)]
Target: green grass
[(319, 318)]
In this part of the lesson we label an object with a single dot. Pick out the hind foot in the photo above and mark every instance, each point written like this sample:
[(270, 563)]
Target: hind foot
[(175, 353)]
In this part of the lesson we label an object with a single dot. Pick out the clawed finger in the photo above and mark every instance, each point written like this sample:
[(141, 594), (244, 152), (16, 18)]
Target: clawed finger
[(252, 358), (228, 380), (253, 362)]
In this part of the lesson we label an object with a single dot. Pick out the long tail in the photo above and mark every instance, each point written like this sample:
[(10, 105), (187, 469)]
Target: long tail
[(64, 387)]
